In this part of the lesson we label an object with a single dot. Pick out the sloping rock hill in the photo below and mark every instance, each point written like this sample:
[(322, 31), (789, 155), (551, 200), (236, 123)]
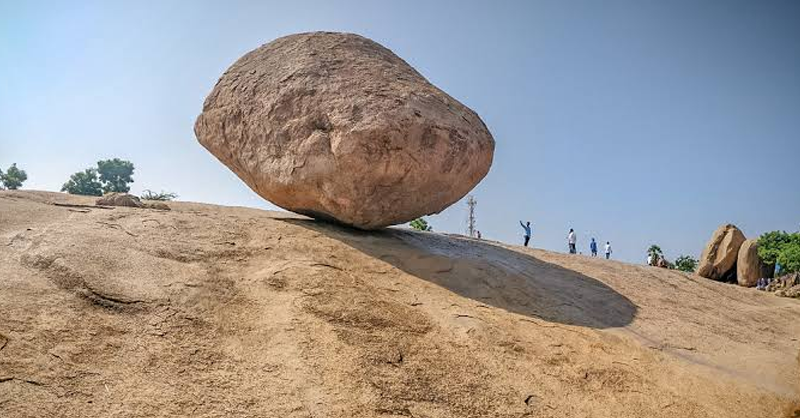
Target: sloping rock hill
[(210, 311)]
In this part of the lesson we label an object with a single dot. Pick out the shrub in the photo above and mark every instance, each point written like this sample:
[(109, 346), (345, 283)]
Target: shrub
[(686, 263), (420, 224), (162, 196)]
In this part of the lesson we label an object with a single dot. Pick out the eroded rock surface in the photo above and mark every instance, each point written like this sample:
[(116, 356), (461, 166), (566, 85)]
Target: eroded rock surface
[(119, 199), (335, 126)]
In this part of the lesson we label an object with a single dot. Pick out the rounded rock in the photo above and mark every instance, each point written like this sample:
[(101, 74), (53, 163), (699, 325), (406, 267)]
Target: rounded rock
[(337, 127), (721, 252)]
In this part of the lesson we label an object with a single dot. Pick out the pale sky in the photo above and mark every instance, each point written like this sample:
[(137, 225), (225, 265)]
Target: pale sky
[(637, 122)]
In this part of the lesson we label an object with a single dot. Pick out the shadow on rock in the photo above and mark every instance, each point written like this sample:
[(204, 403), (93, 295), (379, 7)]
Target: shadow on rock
[(490, 274)]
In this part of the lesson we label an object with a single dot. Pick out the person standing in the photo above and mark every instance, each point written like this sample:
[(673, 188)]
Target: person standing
[(527, 227), (608, 250), (593, 247), (571, 241)]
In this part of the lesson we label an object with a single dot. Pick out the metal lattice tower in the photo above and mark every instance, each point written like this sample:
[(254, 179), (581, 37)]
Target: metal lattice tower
[(471, 204)]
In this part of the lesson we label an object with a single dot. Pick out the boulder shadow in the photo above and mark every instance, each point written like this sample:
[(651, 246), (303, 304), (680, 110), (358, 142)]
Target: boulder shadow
[(490, 274)]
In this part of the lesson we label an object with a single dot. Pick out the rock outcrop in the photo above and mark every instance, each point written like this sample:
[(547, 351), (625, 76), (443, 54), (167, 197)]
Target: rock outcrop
[(212, 311), (337, 127), (119, 199), (786, 286), (156, 205), (749, 267), (720, 254)]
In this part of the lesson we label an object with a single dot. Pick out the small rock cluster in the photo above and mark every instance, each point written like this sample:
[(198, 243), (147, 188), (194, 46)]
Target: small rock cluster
[(786, 286), (730, 257), (129, 200)]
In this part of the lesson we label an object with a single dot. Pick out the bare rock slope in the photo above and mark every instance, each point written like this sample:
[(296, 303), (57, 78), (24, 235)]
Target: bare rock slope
[(209, 311), (335, 126)]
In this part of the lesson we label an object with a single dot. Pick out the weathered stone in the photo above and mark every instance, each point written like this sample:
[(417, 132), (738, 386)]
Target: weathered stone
[(749, 267), (720, 254), (119, 199), (156, 205), (335, 126)]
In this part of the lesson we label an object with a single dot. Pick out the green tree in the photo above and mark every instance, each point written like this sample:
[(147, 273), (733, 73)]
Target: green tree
[(655, 252), (789, 258), (771, 244), (686, 263), (780, 247), (115, 175), (13, 177), (84, 183), (148, 194), (420, 224)]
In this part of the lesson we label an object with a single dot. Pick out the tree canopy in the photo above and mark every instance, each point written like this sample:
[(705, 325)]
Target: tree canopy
[(84, 183), (115, 175), (112, 175), (782, 248), (13, 177)]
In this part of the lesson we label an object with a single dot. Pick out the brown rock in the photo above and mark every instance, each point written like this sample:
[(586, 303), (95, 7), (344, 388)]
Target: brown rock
[(119, 199), (157, 205), (749, 267), (337, 127), (720, 254)]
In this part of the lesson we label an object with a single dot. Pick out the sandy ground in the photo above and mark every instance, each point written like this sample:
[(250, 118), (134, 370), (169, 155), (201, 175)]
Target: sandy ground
[(209, 311)]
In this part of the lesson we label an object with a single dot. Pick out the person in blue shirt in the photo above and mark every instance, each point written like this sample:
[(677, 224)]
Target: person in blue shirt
[(593, 248), (527, 227)]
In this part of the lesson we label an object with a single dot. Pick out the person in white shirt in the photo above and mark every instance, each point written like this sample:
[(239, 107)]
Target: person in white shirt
[(608, 250), (649, 259), (571, 241)]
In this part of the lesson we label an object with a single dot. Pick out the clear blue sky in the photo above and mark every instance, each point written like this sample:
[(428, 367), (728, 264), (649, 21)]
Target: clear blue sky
[(635, 121)]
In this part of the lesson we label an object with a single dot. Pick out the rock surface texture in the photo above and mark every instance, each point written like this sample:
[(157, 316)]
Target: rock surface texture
[(337, 127), (720, 254), (208, 311), (749, 267), (119, 199)]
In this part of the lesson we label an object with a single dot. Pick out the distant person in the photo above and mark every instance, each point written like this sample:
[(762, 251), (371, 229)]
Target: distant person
[(571, 241), (608, 250), (593, 247), (527, 227), (479, 234), (649, 259)]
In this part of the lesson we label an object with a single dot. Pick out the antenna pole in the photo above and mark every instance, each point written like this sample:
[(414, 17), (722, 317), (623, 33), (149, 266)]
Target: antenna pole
[(471, 204)]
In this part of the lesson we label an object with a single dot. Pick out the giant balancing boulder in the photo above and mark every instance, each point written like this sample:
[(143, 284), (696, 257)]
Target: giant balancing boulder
[(337, 127)]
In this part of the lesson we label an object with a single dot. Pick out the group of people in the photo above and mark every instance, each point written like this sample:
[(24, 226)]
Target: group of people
[(657, 261), (572, 241)]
